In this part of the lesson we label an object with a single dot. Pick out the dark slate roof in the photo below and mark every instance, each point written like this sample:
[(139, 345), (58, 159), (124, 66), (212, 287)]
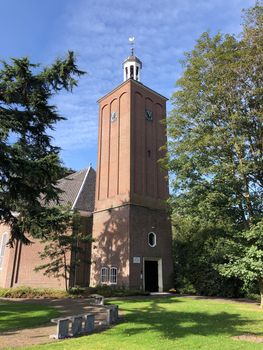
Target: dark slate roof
[(79, 190)]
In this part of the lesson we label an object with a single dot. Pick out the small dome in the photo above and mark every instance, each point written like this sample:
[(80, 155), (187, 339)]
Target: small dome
[(133, 59)]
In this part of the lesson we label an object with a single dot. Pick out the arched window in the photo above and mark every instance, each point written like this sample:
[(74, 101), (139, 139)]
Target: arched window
[(131, 72), (137, 73), (152, 239), (113, 275), (104, 275)]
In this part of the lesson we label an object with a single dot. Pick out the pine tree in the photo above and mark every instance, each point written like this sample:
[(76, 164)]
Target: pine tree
[(29, 163)]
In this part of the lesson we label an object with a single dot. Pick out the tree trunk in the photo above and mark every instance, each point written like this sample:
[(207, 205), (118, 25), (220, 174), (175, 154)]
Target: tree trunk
[(260, 283), (245, 183), (65, 271)]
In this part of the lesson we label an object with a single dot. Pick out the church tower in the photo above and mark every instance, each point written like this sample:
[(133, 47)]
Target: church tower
[(131, 229)]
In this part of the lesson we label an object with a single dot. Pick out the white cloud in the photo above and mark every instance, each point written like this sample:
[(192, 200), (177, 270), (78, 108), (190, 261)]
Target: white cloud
[(98, 32)]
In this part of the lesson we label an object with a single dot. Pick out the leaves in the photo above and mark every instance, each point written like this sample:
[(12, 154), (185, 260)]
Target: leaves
[(244, 255), (29, 163), (63, 236), (215, 151)]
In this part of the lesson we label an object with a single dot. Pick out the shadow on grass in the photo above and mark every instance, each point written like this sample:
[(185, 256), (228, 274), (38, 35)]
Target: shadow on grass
[(174, 324), (18, 315)]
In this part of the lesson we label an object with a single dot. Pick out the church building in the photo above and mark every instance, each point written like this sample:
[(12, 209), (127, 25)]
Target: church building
[(126, 212)]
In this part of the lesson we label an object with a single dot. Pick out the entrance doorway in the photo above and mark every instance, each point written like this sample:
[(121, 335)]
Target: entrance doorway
[(151, 275)]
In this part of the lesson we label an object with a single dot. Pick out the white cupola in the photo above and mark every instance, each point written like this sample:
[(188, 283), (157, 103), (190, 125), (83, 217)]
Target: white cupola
[(132, 65)]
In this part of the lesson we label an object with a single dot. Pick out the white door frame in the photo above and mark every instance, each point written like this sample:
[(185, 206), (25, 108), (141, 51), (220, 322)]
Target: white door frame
[(160, 272)]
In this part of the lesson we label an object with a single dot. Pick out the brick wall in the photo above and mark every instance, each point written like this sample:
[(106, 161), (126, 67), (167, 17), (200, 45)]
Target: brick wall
[(111, 244), (142, 221), (20, 261)]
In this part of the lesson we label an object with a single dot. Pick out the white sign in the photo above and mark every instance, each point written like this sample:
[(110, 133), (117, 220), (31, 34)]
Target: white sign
[(136, 260)]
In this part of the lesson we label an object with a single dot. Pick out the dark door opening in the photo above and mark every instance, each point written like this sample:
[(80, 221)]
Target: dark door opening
[(151, 276)]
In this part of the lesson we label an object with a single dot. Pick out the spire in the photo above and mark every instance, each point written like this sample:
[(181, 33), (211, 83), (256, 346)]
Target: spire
[(132, 65)]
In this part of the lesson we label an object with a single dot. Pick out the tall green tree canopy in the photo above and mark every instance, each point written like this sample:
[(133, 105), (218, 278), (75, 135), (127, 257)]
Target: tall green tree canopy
[(29, 163), (216, 124), (216, 134)]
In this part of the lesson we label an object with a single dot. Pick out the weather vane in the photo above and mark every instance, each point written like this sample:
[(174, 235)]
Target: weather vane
[(132, 40)]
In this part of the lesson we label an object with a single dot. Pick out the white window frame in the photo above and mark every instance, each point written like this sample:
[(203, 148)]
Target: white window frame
[(155, 239), (2, 248), (104, 275), (113, 275)]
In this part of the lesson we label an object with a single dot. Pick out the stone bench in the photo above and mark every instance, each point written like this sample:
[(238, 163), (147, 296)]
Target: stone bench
[(97, 299), (112, 313), (72, 326)]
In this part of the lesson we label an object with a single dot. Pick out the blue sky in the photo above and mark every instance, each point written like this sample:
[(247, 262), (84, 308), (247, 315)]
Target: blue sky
[(98, 32)]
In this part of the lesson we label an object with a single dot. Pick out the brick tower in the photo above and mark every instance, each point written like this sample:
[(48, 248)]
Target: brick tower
[(131, 230)]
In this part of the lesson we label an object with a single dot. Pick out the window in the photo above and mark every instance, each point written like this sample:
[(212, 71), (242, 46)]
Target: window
[(2, 248), (137, 73), (108, 275), (131, 72), (113, 275), (104, 275), (152, 239)]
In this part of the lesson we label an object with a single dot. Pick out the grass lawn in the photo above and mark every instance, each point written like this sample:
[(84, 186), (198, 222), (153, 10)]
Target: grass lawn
[(174, 323), (15, 315)]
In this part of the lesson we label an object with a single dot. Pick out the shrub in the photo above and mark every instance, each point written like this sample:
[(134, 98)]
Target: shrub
[(77, 290), (74, 292), (109, 291), (29, 292)]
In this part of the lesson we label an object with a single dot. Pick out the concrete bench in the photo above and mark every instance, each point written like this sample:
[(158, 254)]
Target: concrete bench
[(88, 323), (112, 313), (76, 325), (97, 299), (62, 328), (72, 326)]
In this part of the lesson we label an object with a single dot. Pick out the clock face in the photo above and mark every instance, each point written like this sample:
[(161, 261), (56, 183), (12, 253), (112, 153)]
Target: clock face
[(148, 114), (113, 116)]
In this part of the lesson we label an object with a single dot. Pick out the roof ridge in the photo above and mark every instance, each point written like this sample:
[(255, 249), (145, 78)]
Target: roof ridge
[(74, 174), (81, 187)]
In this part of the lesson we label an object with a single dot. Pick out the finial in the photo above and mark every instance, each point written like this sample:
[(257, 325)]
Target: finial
[(132, 40), (132, 65)]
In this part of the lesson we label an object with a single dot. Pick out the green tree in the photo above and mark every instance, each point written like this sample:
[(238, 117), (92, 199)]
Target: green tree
[(198, 248), (63, 246), (216, 134), (244, 256), (29, 163)]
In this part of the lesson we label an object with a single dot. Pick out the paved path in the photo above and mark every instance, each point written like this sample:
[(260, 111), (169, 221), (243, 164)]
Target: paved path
[(40, 335)]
